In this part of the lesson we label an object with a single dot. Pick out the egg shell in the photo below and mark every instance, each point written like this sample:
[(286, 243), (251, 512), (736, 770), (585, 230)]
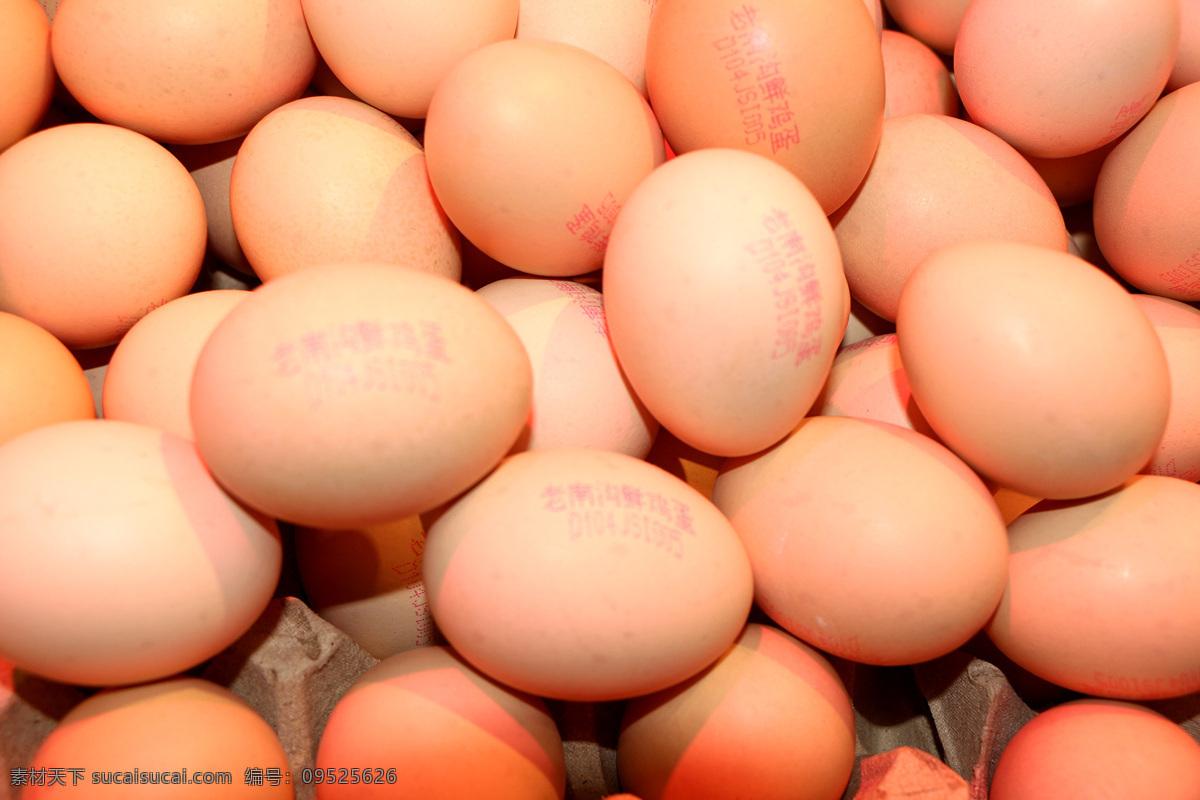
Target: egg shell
[(1101, 591), (1178, 327), (935, 181), (867, 380), (27, 68), (183, 71), (422, 715), (41, 383), (770, 720), (615, 30), (358, 393), (586, 575), (1147, 200), (916, 80), (326, 179), (933, 22), (725, 298), (800, 82), (867, 540), (98, 225), (121, 560), (1187, 63), (1035, 367), (1057, 80), (211, 167), (394, 53), (534, 147), (367, 581), (149, 375), (1095, 749), (1073, 179), (580, 396), (193, 734)]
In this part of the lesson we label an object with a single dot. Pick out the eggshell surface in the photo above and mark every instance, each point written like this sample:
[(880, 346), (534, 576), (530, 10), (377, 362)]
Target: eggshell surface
[(586, 575), (770, 719), (1101, 593), (358, 393), (41, 383), (615, 30), (27, 67), (183, 737), (1051, 398), (725, 298), (1178, 327), (917, 82), (128, 517)]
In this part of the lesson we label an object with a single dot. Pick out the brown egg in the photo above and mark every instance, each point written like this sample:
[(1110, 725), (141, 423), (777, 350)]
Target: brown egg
[(394, 53), (325, 179), (27, 68), (798, 82), (725, 298), (41, 383), (937, 180), (769, 720), (867, 540), (1178, 327), (149, 376), (1056, 84), (121, 560), (98, 225), (1035, 367), (1073, 179), (358, 393), (1147, 201), (586, 575), (934, 22), (183, 71), (917, 82), (568, 139), (426, 724), (1187, 63), (199, 738)]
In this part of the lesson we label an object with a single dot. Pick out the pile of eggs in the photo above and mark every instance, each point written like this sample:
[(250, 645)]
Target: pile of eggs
[(500, 250)]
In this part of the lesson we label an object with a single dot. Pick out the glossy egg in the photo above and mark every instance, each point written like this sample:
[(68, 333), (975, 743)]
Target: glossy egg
[(799, 82), (586, 575), (1101, 593), (1050, 398), (358, 393), (725, 298), (770, 720), (121, 558)]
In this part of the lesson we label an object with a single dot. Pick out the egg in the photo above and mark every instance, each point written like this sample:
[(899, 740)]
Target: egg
[(725, 298), (41, 383), (358, 393), (1178, 327), (1048, 397), (568, 139), (867, 540), (933, 22), (27, 67), (586, 575), (121, 560), (198, 738), (917, 82), (184, 71), (98, 225), (324, 179)]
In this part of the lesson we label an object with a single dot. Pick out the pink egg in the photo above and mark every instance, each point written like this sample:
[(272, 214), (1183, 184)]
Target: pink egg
[(580, 396), (798, 82), (867, 540), (725, 298), (568, 139), (98, 225), (934, 22), (769, 720), (1102, 595), (1178, 327), (937, 180), (149, 376), (1035, 367), (917, 82), (1147, 201), (425, 724), (586, 575), (183, 71), (1056, 81), (358, 393), (1072, 179), (121, 559), (326, 179), (1187, 63), (1098, 749)]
